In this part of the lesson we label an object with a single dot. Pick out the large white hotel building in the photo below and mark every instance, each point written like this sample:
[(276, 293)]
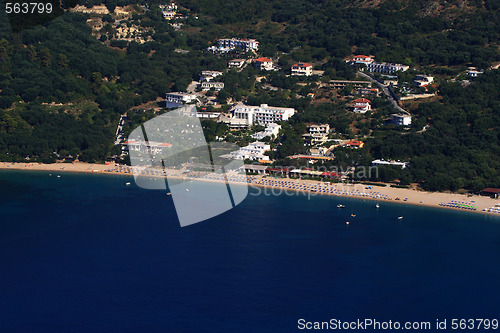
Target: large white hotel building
[(262, 115)]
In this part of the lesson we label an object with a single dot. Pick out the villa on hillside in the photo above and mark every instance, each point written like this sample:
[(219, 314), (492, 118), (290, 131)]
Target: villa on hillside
[(362, 105), (176, 99), (254, 151), (302, 68), (385, 67), (263, 64), (362, 59), (354, 144), (391, 162), (209, 75), (245, 44), (401, 119), (271, 130), (317, 134), (423, 80), (209, 85), (236, 63)]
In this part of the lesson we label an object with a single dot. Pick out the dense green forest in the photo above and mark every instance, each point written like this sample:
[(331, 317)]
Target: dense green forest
[(62, 90)]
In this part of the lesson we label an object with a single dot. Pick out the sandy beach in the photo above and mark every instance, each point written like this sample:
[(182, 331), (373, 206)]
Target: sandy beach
[(287, 186)]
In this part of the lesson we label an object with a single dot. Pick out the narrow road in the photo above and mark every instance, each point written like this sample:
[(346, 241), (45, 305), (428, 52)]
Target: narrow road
[(119, 132), (386, 92)]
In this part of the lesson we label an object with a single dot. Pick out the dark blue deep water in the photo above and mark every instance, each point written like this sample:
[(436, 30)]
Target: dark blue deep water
[(85, 253)]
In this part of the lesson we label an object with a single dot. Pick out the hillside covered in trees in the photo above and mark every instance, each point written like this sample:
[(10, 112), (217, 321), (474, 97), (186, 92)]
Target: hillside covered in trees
[(62, 90)]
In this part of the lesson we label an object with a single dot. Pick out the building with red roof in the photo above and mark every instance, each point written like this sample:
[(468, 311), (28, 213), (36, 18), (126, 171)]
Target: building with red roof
[(354, 144), (263, 64), (362, 105), (362, 59), (302, 68)]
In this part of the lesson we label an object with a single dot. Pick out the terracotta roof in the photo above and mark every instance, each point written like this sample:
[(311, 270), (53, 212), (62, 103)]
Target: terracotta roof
[(164, 145), (492, 190), (262, 60), (354, 143), (302, 64), (362, 100), (361, 56)]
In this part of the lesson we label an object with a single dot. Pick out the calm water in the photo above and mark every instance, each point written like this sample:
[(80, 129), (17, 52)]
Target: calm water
[(86, 253)]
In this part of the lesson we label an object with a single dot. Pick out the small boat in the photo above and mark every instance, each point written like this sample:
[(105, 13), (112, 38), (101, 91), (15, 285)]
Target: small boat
[(340, 206), (58, 176), (377, 206), (187, 190), (168, 193), (127, 184), (353, 215), (400, 217), (347, 222)]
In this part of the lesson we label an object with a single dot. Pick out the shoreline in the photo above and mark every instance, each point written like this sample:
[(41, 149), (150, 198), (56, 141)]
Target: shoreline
[(287, 186)]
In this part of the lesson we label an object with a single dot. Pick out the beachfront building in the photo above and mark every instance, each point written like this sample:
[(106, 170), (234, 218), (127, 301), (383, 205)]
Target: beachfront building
[(271, 131), (423, 80), (150, 147), (491, 192), (302, 68), (253, 168), (263, 64), (209, 85), (390, 162), (385, 67), (400, 119), (254, 151), (236, 63), (354, 144), (262, 115), (176, 99), (246, 44), (362, 105), (207, 76)]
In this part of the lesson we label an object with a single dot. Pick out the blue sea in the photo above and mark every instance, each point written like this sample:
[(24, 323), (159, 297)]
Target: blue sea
[(85, 253)]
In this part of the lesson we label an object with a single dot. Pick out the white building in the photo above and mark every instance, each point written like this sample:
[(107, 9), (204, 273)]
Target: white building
[(175, 99), (236, 63), (271, 130), (150, 147), (473, 72), (209, 75), (423, 80), (302, 68), (386, 68), (319, 129), (362, 105), (245, 44), (209, 85), (362, 59), (263, 64), (401, 119), (254, 151), (317, 134), (263, 114), (391, 162)]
